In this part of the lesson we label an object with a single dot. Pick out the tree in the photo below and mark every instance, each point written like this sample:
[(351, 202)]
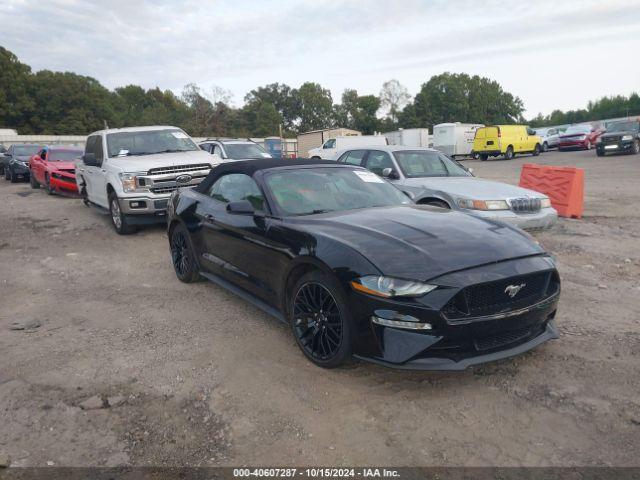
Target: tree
[(16, 102), (201, 109), (357, 112), (315, 107), (283, 98), (393, 98), (459, 97)]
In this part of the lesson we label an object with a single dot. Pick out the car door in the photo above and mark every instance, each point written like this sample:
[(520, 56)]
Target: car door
[(93, 175), (235, 245), (377, 161), (37, 165)]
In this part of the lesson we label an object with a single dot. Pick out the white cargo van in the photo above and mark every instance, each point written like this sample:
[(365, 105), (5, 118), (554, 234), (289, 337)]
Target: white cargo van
[(455, 139), (329, 149)]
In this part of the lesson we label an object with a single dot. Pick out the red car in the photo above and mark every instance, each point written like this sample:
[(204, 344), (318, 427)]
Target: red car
[(54, 168), (579, 137)]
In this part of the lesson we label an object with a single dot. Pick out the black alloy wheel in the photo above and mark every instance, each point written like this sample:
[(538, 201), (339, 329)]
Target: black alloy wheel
[(319, 318), (536, 150), (182, 256), (636, 147)]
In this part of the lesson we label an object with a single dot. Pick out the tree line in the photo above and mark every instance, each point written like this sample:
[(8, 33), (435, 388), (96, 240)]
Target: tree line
[(64, 103)]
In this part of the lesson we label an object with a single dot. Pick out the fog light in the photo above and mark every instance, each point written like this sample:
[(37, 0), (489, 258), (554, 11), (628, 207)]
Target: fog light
[(137, 204), (401, 324)]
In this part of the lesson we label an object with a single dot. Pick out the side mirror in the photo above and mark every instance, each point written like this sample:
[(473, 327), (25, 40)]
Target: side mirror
[(241, 207), (390, 173)]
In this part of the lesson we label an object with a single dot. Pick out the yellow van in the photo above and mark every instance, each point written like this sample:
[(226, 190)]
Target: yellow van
[(506, 140)]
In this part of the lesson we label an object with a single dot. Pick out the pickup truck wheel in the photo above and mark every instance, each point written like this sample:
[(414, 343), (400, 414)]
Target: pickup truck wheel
[(119, 219), (182, 255)]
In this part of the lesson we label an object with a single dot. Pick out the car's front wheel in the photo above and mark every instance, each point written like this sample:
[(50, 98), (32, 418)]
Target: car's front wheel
[(636, 147), (320, 320), (545, 147), (32, 181), (536, 150), (182, 255), (508, 155), (119, 219)]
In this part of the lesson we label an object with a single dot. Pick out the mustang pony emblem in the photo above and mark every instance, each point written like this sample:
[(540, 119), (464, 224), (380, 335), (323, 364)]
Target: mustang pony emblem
[(512, 290)]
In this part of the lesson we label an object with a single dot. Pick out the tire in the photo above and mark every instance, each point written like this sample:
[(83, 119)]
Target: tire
[(119, 219), (484, 157), (436, 203), (12, 177), (599, 153), (33, 182), (545, 147), (47, 185), (475, 155), (320, 320), (183, 255), (636, 147), (536, 150), (508, 155)]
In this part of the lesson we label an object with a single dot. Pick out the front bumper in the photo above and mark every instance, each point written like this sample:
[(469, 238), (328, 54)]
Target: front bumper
[(19, 169), (63, 183), (625, 146), (155, 205), (454, 343), (545, 218), (571, 144)]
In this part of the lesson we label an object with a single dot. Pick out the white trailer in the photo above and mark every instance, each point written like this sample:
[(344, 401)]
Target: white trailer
[(455, 139), (410, 137)]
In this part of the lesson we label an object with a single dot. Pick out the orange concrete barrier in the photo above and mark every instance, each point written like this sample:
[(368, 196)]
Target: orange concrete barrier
[(563, 185)]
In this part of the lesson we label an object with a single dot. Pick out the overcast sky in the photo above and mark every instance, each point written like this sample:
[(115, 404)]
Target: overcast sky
[(551, 53)]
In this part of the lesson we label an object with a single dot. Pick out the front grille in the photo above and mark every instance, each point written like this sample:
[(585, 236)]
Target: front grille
[(179, 169), (496, 341), (163, 190), (525, 205), (64, 179), (492, 298), (612, 139)]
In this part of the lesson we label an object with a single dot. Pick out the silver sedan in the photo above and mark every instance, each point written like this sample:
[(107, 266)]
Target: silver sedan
[(430, 177)]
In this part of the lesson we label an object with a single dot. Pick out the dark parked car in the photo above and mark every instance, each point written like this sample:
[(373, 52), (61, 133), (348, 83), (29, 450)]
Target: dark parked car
[(355, 267), (620, 137), (15, 163)]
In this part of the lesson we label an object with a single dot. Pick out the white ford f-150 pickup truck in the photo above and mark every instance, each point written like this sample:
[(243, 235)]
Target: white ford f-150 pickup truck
[(132, 171)]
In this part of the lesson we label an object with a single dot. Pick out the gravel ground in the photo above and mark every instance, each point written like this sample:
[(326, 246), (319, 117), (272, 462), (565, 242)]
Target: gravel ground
[(207, 379)]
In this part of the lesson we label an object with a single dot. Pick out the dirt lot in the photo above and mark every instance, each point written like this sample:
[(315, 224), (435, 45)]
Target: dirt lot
[(207, 379)]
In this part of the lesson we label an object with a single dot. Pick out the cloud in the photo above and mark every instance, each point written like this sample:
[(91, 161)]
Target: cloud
[(547, 52)]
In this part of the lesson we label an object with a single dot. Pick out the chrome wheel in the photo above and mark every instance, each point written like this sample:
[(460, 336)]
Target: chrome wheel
[(317, 322), (115, 213)]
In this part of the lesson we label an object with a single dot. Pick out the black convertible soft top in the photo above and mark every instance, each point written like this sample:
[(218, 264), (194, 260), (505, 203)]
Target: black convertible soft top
[(249, 167)]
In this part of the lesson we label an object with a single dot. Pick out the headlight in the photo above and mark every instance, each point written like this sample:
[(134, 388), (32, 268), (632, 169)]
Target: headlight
[(483, 204), (627, 137), (130, 182), (545, 203), (391, 287)]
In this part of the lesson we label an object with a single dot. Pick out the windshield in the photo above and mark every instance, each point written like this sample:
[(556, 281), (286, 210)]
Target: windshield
[(578, 129), (63, 155), (623, 126), (24, 150), (318, 190), (238, 151), (421, 163), (149, 142)]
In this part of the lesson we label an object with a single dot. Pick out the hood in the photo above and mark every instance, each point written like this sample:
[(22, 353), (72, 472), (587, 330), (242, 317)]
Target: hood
[(61, 165), (144, 163), (619, 133), (421, 242), (573, 135), (471, 187)]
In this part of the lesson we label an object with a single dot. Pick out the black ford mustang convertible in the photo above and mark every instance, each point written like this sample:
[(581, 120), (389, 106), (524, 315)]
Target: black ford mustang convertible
[(355, 268)]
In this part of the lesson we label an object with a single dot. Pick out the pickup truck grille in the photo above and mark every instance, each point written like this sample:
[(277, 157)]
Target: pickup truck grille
[(164, 180), (178, 169), (525, 205)]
